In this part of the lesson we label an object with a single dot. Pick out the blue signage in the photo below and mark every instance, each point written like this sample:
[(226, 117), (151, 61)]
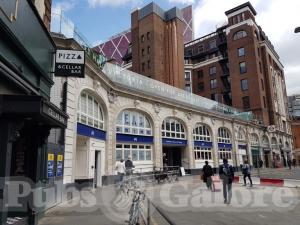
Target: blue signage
[(50, 165), (223, 145), (88, 131), (171, 141), (204, 144), (134, 138), (243, 147), (59, 166)]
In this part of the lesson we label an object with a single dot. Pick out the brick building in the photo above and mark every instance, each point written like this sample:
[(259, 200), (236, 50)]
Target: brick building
[(237, 65), (294, 111), (157, 44)]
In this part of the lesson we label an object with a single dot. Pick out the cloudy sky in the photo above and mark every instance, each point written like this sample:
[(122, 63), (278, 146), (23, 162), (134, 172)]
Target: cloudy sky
[(100, 19)]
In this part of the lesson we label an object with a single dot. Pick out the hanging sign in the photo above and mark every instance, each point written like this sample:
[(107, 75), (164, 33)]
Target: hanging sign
[(59, 167), (50, 165), (69, 63)]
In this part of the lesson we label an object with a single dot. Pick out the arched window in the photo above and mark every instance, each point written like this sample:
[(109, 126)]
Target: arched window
[(172, 128), (133, 122), (90, 111), (239, 34), (224, 135), (241, 136), (274, 144), (202, 152), (265, 141), (201, 133), (254, 140)]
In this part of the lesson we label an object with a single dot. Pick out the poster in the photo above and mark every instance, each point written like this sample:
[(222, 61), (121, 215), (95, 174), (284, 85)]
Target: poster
[(59, 168), (50, 165)]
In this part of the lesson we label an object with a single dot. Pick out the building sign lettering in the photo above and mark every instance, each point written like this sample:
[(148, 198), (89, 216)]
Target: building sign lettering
[(69, 63)]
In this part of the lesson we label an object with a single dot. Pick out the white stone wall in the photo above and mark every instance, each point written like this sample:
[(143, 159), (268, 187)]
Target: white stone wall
[(115, 101)]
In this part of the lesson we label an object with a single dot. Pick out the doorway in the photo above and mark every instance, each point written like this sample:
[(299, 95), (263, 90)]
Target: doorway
[(97, 175), (173, 155)]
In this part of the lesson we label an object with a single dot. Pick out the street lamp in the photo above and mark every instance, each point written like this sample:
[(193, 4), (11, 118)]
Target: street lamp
[(297, 30)]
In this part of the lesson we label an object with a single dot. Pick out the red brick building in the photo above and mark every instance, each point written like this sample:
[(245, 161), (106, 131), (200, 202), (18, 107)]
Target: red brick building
[(237, 65)]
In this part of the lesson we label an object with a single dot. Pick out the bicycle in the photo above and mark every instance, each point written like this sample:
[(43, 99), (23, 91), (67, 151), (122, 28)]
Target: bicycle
[(136, 210)]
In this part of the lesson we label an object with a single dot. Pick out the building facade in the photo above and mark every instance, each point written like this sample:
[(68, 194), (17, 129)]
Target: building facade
[(26, 113), (237, 65), (294, 111), (44, 9), (157, 44), (115, 113), (117, 46)]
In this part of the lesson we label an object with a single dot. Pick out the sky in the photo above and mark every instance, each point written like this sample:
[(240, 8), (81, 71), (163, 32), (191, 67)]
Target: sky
[(98, 20)]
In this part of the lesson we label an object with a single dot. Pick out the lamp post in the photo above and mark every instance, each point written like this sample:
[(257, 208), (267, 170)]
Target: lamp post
[(297, 30)]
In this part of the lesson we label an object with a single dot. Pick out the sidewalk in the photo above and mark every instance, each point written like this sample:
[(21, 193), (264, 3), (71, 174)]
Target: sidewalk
[(102, 206)]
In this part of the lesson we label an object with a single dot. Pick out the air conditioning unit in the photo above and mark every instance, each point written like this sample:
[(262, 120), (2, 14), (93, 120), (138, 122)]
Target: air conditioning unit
[(271, 128)]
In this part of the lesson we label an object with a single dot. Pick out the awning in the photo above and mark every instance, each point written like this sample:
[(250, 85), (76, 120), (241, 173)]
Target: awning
[(32, 106)]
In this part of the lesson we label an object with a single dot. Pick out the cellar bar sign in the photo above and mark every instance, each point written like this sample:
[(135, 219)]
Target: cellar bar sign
[(69, 63)]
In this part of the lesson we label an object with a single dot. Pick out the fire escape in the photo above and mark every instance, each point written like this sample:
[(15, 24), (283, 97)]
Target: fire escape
[(225, 77)]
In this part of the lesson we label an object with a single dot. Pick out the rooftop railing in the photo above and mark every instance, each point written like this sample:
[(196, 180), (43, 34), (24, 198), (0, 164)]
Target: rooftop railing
[(153, 87)]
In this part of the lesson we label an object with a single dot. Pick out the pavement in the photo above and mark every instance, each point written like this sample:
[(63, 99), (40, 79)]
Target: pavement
[(190, 203), (186, 202)]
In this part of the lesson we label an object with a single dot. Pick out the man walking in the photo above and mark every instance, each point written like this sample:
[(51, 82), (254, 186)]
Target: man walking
[(226, 173), (247, 172), (129, 166), (207, 173)]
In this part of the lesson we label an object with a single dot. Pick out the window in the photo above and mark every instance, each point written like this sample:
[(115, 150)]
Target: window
[(246, 102), (260, 68), (143, 52), (241, 52), (239, 34), (201, 86), (200, 74), (213, 84), (132, 122), (243, 68), (137, 152), (238, 18), (143, 38), (90, 111), (214, 97), (201, 133), (143, 67), (172, 128), (225, 153), (234, 20), (187, 75), (254, 140), (202, 153), (200, 48), (212, 70), (243, 16), (265, 104), (262, 84), (188, 88), (148, 35), (149, 64), (212, 44), (149, 49), (244, 85), (224, 135)]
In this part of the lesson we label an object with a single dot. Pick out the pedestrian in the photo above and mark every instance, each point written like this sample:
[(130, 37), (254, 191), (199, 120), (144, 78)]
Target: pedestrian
[(260, 163), (226, 173), (165, 161), (247, 172), (129, 166), (289, 162), (207, 173), (120, 168), (294, 163)]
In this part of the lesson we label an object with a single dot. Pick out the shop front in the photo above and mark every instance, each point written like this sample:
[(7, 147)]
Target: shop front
[(26, 113)]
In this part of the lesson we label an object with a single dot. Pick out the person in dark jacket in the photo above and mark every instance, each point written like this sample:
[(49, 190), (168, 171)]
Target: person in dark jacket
[(129, 166), (226, 173), (247, 173), (207, 173)]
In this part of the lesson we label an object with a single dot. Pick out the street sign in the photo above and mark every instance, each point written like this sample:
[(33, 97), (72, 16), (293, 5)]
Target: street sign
[(50, 165), (69, 63)]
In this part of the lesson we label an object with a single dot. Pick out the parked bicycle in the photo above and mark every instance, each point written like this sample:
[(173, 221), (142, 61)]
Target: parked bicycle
[(135, 212)]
